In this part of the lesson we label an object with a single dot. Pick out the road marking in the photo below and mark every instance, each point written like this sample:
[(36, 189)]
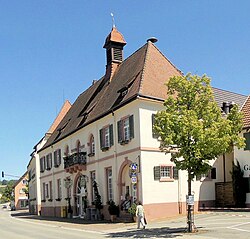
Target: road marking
[(54, 226), (239, 229)]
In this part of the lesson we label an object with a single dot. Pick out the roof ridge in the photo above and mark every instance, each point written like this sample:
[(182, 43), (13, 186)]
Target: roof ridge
[(53, 126), (244, 102), (144, 67), (229, 91)]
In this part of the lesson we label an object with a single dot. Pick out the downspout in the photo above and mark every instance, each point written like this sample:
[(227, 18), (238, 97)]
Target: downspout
[(179, 193), (53, 181), (115, 158)]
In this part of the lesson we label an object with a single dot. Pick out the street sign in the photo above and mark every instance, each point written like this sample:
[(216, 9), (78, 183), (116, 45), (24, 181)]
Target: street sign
[(190, 199), (134, 180)]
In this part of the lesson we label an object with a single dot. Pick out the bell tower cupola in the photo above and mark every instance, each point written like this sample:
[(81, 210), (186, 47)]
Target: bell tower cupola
[(114, 44)]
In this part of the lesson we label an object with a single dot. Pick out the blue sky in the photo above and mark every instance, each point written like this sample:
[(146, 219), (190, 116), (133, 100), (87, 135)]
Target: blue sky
[(51, 50)]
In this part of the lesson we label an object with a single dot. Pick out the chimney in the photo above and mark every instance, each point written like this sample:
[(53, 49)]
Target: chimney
[(114, 52), (227, 106)]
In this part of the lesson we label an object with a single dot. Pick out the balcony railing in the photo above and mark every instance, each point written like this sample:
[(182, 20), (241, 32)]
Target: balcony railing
[(75, 159)]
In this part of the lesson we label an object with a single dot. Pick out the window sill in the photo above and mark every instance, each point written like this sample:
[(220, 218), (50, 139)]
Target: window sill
[(50, 200), (105, 149), (58, 199), (43, 200), (123, 142), (91, 154), (166, 180)]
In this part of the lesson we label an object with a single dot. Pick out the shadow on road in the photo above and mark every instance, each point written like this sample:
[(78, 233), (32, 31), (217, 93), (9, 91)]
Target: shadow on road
[(26, 215), (163, 232)]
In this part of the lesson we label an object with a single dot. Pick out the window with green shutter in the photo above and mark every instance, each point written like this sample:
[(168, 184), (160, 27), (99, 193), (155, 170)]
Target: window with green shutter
[(247, 141), (106, 137), (154, 135), (165, 173), (125, 129)]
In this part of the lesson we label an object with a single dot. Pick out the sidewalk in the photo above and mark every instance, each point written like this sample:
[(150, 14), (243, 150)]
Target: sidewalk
[(102, 226)]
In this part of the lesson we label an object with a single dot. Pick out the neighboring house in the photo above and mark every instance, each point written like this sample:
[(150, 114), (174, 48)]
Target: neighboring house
[(21, 193), (106, 137), (34, 164)]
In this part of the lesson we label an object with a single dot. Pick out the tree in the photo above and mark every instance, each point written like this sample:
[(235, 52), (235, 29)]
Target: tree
[(8, 194), (192, 124)]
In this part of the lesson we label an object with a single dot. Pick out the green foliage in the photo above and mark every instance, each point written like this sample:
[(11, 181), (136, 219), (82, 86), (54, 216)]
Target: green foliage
[(132, 209), (98, 200), (193, 122), (239, 185), (8, 194)]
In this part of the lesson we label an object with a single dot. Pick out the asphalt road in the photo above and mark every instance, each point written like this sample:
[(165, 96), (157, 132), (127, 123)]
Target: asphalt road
[(212, 225)]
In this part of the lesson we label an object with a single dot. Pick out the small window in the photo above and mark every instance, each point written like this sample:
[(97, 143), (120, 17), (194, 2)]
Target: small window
[(42, 164), (211, 174), (109, 184), (47, 190), (165, 173), (154, 135), (247, 141), (57, 158), (106, 137), (49, 161), (59, 188), (91, 146)]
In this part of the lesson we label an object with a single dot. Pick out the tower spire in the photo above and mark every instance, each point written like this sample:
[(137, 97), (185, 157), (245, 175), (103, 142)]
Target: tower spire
[(114, 44), (113, 19)]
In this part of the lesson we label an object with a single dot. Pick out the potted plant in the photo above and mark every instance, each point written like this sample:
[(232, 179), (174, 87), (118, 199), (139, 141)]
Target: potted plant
[(132, 211), (113, 210)]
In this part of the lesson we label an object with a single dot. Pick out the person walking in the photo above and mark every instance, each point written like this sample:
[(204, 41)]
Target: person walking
[(140, 215)]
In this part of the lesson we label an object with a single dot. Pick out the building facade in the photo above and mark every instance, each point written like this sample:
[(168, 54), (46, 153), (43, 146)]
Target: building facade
[(106, 139), (21, 193)]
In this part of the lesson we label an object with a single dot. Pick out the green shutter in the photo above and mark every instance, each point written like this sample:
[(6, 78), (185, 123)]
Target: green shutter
[(213, 173), (131, 126), (247, 141), (157, 172), (55, 159), (60, 157), (111, 135), (101, 138), (119, 128), (175, 173)]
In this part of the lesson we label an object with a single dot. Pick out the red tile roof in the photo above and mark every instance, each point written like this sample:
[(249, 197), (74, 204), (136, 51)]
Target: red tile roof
[(246, 112), (143, 74), (114, 36)]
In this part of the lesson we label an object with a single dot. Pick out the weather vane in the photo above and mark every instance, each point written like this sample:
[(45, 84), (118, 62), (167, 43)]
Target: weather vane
[(113, 19)]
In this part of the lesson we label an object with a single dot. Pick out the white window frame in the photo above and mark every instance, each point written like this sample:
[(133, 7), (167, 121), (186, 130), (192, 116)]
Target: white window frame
[(106, 137), (110, 184), (126, 129), (59, 188)]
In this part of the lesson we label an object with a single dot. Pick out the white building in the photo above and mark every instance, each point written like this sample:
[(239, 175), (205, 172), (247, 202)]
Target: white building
[(108, 131)]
